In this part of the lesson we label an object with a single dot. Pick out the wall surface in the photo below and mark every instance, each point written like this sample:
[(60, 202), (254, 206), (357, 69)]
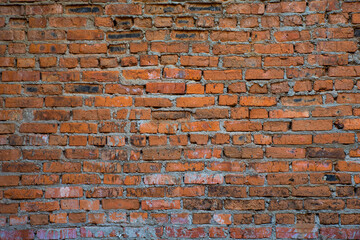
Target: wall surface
[(172, 119)]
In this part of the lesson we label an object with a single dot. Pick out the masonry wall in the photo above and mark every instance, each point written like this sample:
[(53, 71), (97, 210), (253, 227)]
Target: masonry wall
[(179, 119)]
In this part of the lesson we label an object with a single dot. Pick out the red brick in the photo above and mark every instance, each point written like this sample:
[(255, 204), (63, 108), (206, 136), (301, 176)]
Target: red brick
[(9, 181), (222, 75), (176, 73), (6, 128), (160, 204), (145, 74), (186, 191), (146, 192), (9, 208), (300, 73), (161, 179), (287, 179), (340, 233), (23, 193), (101, 114), (64, 192), (312, 125), (258, 113), (123, 9), (67, 22), (199, 61), (113, 102), (262, 139), (169, 47), (222, 218), (39, 179), (181, 232), (282, 152), (148, 60), (22, 220), (284, 7), (63, 101), (240, 113), (270, 167), (157, 140), (20, 167), (18, 234), (289, 113), (47, 48), (194, 178), (42, 154), (85, 35), (102, 167), (303, 231), (257, 101), (277, 48), (43, 9), (292, 139), (237, 62), (331, 138), (38, 128), (244, 204), (167, 88), (188, 35), (62, 167), (252, 74), (156, 34), (182, 167), (244, 8), (350, 6), (80, 179), (228, 100), (104, 192), (220, 49), (322, 191), (287, 36), (79, 153), (41, 35), (200, 126), (78, 128), (283, 61), (10, 35), (213, 113), (242, 126), (344, 71), (89, 62), (10, 89), (332, 111), (193, 102), (123, 89), (338, 46), (306, 166), (24, 102), (161, 154), (232, 36)]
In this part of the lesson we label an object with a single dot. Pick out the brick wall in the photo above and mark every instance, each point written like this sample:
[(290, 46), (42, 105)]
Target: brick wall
[(179, 119)]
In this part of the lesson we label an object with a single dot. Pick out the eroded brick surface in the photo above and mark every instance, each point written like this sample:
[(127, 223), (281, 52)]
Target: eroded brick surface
[(159, 119)]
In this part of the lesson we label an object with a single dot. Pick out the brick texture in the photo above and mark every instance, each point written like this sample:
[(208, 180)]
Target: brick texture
[(159, 119)]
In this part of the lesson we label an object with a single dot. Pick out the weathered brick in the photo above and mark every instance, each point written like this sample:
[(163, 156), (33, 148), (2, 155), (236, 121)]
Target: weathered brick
[(264, 132), (85, 35), (222, 75), (252, 74), (123, 9), (193, 102), (189, 74), (166, 88)]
